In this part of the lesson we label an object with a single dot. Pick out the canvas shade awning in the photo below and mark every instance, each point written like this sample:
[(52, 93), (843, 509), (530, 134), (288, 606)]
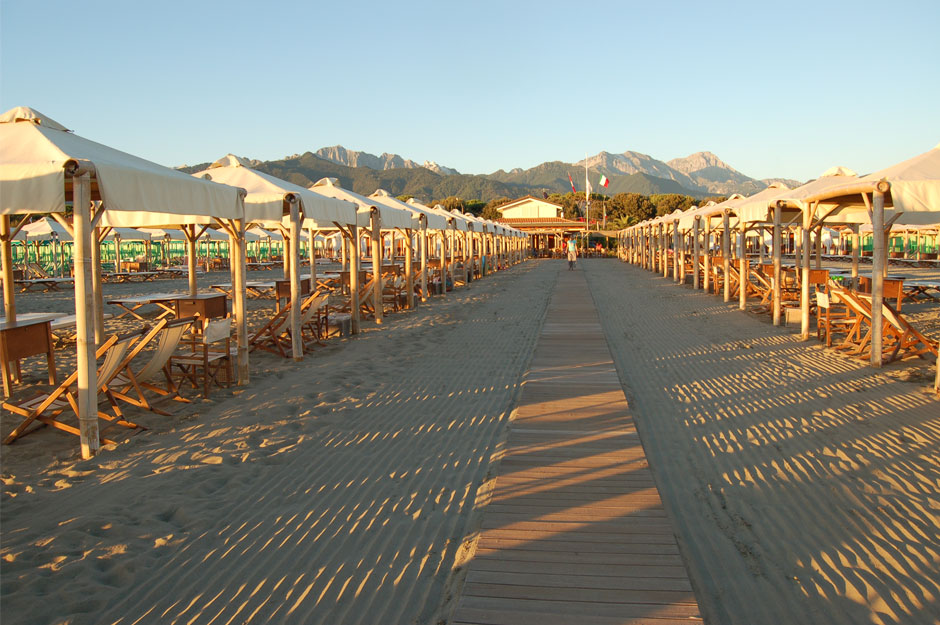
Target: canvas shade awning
[(435, 221), (391, 216), (911, 195), (42, 165), (267, 195)]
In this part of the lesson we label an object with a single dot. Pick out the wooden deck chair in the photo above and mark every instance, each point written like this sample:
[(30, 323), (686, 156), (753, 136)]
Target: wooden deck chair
[(46, 407), (36, 271), (274, 336), (832, 315), (209, 357), (314, 319), (130, 384), (393, 293), (908, 341), (858, 321)]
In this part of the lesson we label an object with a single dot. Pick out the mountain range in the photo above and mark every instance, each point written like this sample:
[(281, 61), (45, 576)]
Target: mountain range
[(698, 175)]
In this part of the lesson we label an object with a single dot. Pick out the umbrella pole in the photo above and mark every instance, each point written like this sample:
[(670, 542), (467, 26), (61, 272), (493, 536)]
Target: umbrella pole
[(297, 346), (877, 271), (312, 253), (190, 231), (87, 408), (6, 255), (239, 251), (354, 278), (409, 270), (778, 249), (376, 224), (424, 259), (743, 273)]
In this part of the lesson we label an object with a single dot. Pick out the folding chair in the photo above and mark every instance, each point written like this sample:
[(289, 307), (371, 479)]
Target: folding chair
[(168, 335), (275, 336), (46, 407), (208, 358)]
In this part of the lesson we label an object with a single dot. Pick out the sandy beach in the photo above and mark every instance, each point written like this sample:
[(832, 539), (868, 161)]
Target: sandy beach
[(348, 488)]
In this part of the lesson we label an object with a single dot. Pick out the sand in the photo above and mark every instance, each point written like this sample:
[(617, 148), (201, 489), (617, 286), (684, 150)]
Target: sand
[(346, 489), (334, 491), (804, 485)]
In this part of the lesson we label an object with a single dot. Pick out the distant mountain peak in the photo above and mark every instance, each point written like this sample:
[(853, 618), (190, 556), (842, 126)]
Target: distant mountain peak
[(353, 158), (697, 162)]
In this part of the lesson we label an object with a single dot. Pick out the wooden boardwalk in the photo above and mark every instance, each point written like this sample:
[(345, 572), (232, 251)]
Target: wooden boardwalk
[(575, 531)]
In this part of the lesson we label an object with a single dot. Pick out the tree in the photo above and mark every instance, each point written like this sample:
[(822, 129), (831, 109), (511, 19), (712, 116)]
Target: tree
[(632, 206), (666, 203), (452, 202), (404, 198), (475, 207)]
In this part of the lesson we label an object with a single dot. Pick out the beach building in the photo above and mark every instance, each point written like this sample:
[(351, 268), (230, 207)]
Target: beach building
[(542, 221)]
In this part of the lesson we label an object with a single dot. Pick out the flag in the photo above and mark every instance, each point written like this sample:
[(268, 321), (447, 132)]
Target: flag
[(573, 190), (545, 195), (604, 181)]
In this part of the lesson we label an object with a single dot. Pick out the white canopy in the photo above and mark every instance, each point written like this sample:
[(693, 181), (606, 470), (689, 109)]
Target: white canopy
[(266, 234), (474, 223), (756, 208), (37, 151), (267, 194), (391, 216), (435, 221), (45, 229), (913, 196)]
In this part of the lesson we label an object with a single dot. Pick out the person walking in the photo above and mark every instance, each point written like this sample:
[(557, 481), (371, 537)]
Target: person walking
[(572, 253)]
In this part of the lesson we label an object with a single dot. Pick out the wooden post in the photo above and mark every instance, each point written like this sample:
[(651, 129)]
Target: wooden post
[(664, 250), (237, 258), (354, 279), (312, 254), (878, 264), (744, 273), (409, 270), (696, 253), (856, 254), (445, 266), (819, 233), (376, 226), (726, 254), (293, 249), (707, 261), (778, 252), (804, 262), (97, 290), (87, 407), (190, 232), (424, 258), (6, 256)]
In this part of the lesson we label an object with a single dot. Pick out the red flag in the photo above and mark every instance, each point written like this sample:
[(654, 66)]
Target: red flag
[(573, 190)]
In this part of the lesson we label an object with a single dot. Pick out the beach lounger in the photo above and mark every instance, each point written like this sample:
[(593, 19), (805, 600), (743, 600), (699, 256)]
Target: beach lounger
[(44, 284), (208, 357), (130, 384), (47, 407)]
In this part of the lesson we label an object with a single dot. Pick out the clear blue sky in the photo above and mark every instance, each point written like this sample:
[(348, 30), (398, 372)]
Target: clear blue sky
[(774, 89)]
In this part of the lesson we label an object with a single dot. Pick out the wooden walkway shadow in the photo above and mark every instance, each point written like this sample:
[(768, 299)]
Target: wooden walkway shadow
[(575, 531)]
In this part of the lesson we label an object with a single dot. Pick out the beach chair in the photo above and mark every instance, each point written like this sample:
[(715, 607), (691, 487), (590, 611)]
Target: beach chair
[(275, 337), (35, 270), (904, 339), (209, 357), (47, 407), (833, 316), (130, 384), (393, 293)]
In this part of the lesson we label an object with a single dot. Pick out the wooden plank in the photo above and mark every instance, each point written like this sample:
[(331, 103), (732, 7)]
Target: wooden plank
[(575, 530)]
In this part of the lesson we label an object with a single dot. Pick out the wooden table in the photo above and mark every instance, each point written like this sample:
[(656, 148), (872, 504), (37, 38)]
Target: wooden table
[(205, 305), (132, 304), (23, 338), (282, 290)]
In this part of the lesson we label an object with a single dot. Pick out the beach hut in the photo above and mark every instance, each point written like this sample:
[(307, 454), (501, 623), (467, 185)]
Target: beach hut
[(429, 221), (905, 193), (789, 206), (287, 207), (371, 217), (43, 165)]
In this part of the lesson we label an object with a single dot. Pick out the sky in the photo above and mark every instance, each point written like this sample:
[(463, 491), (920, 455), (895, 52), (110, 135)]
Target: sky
[(774, 89)]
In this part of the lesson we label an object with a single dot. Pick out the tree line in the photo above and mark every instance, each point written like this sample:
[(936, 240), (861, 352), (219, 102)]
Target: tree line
[(622, 209)]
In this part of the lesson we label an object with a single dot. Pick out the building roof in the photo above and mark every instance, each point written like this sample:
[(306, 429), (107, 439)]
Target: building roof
[(522, 200), (529, 223)]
